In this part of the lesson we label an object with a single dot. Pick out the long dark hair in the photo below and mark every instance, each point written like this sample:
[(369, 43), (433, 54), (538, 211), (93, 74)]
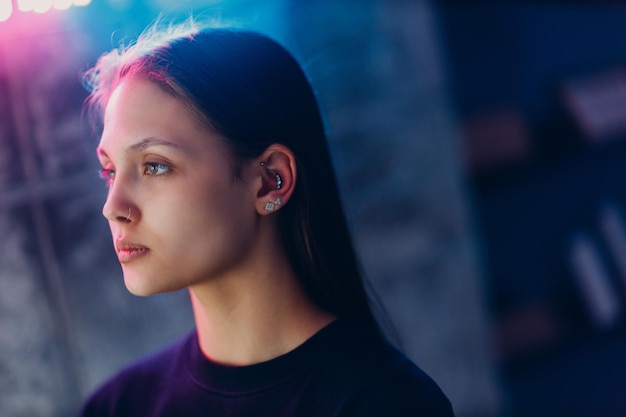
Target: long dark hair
[(253, 92)]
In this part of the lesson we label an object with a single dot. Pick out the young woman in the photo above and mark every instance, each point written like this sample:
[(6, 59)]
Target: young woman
[(220, 181)]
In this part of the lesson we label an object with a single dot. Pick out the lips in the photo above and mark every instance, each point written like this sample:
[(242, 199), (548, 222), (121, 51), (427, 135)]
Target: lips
[(128, 251)]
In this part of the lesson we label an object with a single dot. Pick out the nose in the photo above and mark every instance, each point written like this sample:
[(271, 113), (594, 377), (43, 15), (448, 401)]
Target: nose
[(118, 207)]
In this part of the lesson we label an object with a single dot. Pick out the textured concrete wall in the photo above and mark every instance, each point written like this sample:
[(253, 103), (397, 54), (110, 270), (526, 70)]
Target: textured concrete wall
[(381, 78), (66, 320)]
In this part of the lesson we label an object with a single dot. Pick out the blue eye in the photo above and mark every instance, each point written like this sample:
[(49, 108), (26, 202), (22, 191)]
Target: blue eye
[(154, 168)]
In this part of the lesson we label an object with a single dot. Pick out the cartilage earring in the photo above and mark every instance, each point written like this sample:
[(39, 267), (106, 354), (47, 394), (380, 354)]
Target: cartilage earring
[(269, 206), (278, 202), (129, 213), (279, 182)]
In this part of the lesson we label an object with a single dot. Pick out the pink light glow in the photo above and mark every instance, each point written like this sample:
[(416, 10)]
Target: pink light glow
[(6, 9), (23, 25)]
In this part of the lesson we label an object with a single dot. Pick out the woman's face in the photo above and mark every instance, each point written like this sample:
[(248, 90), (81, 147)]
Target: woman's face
[(190, 221)]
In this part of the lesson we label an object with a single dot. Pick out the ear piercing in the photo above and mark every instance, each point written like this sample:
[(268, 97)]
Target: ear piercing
[(270, 206), (279, 180)]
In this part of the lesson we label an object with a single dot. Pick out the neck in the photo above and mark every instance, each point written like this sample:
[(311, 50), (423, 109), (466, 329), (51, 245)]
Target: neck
[(252, 318)]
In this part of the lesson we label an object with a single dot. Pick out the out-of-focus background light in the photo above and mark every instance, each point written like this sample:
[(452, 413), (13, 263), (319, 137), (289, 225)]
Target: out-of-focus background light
[(42, 6), (39, 6), (25, 5), (6, 8), (62, 4)]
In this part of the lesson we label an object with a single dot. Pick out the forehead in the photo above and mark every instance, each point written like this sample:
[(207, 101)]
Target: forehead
[(136, 97), (139, 108)]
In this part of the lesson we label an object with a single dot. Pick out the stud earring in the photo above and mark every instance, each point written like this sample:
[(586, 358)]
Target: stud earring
[(279, 182), (278, 202), (262, 163), (269, 206)]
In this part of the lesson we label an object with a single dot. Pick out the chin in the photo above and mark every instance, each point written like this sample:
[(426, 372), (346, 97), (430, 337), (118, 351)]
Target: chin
[(138, 285), (144, 286), (139, 291)]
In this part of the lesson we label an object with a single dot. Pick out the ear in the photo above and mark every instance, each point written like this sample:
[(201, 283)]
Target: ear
[(277, 169)]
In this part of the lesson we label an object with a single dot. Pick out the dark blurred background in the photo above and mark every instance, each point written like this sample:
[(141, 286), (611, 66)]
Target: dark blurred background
[(480, 151)]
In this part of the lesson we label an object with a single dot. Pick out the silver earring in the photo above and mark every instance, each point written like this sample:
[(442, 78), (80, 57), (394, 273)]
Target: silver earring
[(279, 182), (129, 213), (262, 163), (269, 206), (278, 202)]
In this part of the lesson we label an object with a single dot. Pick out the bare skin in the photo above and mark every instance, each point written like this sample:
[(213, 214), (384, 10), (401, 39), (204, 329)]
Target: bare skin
[(179, 219)]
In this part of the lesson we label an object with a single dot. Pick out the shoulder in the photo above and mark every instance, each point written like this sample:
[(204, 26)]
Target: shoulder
[(385, 381), (142, 379), (396, 389)]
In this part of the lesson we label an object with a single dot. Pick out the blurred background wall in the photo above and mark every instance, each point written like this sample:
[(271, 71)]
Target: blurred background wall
[(479, 152)]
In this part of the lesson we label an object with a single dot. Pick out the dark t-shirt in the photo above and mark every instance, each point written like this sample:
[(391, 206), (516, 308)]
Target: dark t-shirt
[(342, 371)]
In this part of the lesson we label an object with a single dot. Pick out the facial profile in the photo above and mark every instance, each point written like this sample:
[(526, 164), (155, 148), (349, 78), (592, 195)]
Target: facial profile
[(191, 220)]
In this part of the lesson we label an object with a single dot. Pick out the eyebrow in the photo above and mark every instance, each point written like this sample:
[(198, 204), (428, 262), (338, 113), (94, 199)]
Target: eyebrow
[(148, 142), (143, 145)]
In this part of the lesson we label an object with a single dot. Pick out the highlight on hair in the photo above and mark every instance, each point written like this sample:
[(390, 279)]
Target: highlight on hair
[(101, 80), (253, 93)]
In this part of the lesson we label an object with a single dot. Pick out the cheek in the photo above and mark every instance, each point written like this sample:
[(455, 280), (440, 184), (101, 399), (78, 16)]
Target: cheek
[(206, 243), (208, 215)]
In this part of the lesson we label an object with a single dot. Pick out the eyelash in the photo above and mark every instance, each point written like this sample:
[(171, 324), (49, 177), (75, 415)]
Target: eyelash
[(108, 175)]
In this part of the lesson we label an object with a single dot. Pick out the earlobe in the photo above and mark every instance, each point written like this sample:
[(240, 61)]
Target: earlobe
[(277, 169), (270, 206)]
